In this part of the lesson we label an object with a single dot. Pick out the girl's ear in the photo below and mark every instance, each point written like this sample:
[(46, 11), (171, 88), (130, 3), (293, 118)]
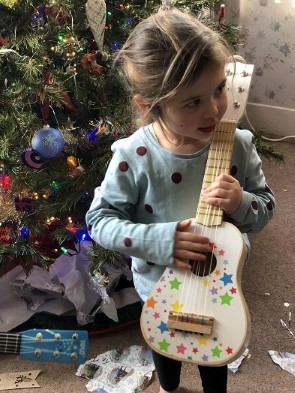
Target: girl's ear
[(143, 106)]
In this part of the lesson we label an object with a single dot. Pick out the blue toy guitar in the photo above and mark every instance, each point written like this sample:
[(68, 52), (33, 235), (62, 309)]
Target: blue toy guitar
[(46, 345)]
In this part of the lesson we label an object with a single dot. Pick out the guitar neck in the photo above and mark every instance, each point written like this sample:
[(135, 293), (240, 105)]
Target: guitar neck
[(218, 162), (10, 343)]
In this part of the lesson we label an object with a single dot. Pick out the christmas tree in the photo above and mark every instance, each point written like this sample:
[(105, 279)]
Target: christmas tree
[(63, 105)]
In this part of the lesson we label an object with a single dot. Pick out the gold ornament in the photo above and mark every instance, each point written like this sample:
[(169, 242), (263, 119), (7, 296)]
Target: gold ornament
[(72, 161)]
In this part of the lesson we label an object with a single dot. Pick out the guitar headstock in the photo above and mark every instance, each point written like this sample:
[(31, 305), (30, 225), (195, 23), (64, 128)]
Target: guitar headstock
[(62, 346), (239, 77)]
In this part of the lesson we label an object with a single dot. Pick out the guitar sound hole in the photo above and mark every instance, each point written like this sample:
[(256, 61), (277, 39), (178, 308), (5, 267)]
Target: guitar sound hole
[(204, 268)]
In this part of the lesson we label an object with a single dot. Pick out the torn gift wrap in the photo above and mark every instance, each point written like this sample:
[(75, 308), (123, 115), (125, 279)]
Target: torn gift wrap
[(119, 371), (19, 380), (285, 360)]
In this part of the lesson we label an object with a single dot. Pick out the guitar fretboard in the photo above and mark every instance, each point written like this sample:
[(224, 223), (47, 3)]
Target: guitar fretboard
[(218, 162), (10, 343)]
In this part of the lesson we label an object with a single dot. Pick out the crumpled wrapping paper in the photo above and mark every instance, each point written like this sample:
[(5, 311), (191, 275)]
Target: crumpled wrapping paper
[(119, 371), (65, 288), (285, 360)]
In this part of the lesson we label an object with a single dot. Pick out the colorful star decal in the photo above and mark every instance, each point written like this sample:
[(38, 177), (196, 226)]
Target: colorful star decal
[(227, 278), (163, 327), (159, 290), (214, 291), (195, 350), (229, 351), (226, 298), (206, 282), (151, 302), (164, 345), (202, 340), (174, 284), (221, 252), (216, 352), (176, 306), (156, 315), (180, 348), (233, 290)]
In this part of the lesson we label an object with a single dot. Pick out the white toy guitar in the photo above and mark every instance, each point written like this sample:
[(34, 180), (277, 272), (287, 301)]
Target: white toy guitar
[(201, 316)]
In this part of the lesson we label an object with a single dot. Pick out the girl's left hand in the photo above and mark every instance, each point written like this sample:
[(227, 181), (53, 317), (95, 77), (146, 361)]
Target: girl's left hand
[(225, 192)]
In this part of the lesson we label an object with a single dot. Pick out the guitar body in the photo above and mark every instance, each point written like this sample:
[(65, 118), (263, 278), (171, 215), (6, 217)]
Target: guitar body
[(208, 301)]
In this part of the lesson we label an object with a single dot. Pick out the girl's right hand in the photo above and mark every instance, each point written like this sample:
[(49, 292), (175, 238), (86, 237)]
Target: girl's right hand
[(189, 246)]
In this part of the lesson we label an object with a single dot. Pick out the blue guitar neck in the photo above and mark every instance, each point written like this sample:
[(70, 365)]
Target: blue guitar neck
[(45, 345)]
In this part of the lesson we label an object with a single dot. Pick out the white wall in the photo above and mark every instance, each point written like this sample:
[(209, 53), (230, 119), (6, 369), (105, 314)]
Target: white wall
[(270, 46)]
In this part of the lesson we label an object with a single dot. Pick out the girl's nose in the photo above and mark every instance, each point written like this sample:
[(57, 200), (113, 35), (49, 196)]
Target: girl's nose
[(211, 110)]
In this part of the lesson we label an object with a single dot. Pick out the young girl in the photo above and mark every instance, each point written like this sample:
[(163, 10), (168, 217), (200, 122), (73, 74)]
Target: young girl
[(174, 66)]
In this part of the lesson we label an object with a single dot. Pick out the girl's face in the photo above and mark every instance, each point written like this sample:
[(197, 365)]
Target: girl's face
[(195, 111)]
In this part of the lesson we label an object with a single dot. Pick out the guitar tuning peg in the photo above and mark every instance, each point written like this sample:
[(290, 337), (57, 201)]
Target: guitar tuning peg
[(56, 354), (245, 73), (37, 352), (237, 104), (228, 72), (74, 356), (75, 336), (39, 336), (57, 336), (241, 89)]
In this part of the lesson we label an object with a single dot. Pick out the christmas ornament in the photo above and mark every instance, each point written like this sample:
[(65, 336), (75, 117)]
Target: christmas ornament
[(24, 204), (77, 171), (48, 142), (96, 15), (221, 14), (32, 158), (93, 62), (72, 161)]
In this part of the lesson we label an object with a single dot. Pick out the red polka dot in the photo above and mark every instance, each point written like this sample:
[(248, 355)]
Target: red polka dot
[(254, 204), (269, 206), (176, 177), (123, 166), (148, 208), (128, 242), (141, 150), (233, 170)]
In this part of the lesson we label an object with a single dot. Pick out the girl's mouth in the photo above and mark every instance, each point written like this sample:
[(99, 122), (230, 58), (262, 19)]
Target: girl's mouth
[(207, 130)]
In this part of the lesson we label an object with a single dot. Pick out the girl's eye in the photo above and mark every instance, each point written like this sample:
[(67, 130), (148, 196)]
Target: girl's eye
[(194, 103), (220, 89)]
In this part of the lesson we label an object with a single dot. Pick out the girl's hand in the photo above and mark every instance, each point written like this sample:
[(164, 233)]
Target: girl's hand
[(225, 192), (188, 246)]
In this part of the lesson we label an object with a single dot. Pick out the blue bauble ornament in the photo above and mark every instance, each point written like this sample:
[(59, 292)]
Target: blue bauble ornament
[(48, 142)]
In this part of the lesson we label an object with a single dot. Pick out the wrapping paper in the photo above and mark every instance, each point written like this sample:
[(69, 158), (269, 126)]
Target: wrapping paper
[(285, 360), (119, 371)]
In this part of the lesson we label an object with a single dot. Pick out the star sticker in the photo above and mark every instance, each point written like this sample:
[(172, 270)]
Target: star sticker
[(172, 334), (195, 350), (177, 306), (221, 252), (156, 315), (233, 290), (164, 345), (206, 282), (214, 300), (174, 284), (151, 339), (227, 278), (163, 278), (159, 290), (217, 272), (205, 358), (163, 327), (216, 352), (180, 348), (226, 299), (214, 291), (229, 351), (202, 340), (151, 302)]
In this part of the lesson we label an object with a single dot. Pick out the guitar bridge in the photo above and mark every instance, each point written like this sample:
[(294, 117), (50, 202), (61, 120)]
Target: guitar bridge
[(190, 322)]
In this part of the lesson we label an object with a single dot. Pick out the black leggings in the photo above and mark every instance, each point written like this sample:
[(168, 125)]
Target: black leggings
[(214, 379)]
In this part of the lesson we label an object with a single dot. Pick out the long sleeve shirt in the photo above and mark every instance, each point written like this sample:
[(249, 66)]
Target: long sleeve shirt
[(148, 190)]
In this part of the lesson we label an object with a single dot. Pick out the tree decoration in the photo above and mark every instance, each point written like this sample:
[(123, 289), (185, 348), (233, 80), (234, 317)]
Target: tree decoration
[(96, 15), (32, 158), (48, 142)]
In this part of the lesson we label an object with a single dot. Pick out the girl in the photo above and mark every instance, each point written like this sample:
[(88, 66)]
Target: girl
[(174, 66)]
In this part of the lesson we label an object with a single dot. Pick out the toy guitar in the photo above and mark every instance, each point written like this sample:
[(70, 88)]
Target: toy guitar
[(200, 316), (45, 345)]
